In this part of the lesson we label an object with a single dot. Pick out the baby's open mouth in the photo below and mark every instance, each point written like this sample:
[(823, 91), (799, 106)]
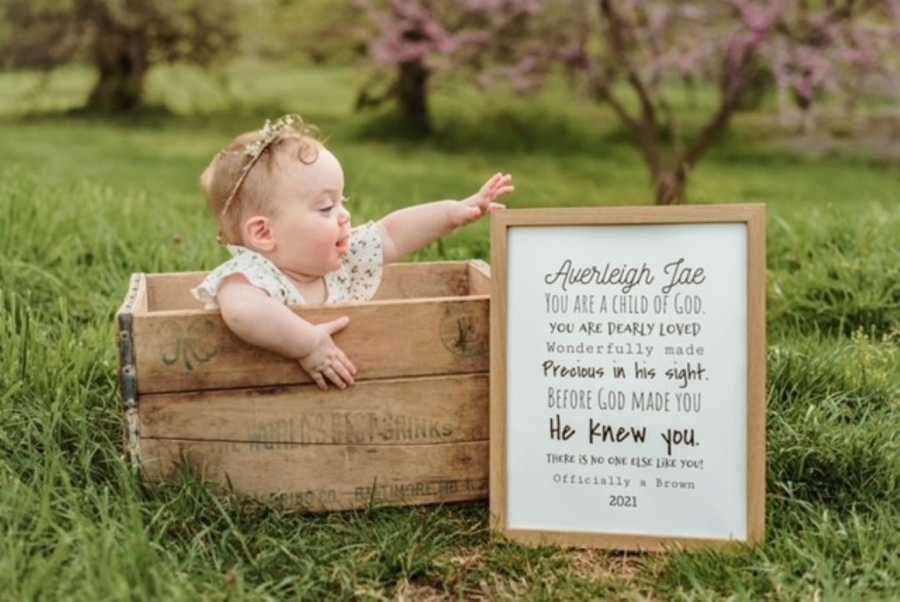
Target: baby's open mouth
[(343, 243)]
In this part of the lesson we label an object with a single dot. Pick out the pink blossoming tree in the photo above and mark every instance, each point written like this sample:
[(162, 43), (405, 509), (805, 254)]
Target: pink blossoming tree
[(648, 46), (632, 55), (411, 41)]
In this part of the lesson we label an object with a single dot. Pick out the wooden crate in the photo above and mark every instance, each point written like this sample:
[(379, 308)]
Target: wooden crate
[(412, 430)]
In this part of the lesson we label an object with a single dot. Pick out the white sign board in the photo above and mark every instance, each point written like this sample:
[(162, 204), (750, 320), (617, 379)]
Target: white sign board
[(628, 418)]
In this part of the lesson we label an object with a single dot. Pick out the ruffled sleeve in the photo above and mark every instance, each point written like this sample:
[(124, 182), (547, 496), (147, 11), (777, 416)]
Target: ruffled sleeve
[(258, 270), (360, 274)]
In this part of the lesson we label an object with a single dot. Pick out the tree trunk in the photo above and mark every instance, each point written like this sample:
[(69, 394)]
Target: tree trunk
[(670, 185), (122, 59), (412, 94)]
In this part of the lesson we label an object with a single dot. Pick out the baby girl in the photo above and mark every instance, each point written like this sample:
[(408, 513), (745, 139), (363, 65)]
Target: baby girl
[(277, 195)]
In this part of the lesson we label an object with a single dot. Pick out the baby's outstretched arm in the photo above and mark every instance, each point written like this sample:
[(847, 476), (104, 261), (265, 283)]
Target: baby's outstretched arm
[(413, 228), (264, 322)]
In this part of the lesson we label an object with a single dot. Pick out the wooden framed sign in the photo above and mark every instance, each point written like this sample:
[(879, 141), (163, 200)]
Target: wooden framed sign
[(628, 376)]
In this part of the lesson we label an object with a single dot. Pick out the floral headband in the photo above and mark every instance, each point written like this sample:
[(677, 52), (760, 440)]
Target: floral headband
[(268, 134)]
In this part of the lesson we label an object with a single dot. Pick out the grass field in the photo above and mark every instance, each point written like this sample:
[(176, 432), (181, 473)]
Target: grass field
[(85, 201)]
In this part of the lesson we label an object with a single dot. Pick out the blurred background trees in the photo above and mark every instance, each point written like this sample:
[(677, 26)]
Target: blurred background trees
[(650, 49), (644, 59), (635, 55), (122, 39), (410, 43)]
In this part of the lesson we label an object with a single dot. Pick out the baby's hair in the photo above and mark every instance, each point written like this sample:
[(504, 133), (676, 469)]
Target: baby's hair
[(237, 182)]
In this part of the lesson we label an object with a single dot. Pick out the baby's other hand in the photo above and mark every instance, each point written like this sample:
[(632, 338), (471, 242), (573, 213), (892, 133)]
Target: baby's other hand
[(327, 360), (482, 202)]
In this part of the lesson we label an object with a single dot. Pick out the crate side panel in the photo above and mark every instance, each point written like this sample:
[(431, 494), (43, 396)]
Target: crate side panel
[(135, 302), (441, 409), (479, 273), (172, 291), (324, 478), (423, 280), (195, 350)]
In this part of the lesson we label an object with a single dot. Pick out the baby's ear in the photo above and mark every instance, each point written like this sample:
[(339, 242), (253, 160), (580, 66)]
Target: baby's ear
[(258, 234)]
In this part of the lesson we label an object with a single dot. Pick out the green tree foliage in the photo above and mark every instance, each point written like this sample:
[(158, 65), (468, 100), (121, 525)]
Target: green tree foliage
[(302, 31), (123, 39)]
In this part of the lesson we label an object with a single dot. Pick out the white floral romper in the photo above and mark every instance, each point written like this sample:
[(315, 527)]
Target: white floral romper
[(357, 279)]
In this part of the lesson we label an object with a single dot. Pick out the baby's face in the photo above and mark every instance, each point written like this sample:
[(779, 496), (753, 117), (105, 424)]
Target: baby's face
[(311, 227)]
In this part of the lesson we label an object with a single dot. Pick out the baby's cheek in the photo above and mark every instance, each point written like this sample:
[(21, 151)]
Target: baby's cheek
[(325, 236), (322, 241)]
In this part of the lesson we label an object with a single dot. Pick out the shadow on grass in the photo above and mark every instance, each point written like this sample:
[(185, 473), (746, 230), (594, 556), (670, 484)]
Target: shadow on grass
[(529, 129), (227, 122), (515, 128)]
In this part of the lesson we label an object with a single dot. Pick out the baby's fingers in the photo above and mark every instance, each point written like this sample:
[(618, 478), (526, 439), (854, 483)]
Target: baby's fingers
[(332, 373), (344, 373), (503, 188), (503, 180), (492, 182), (346, 361), (319, 380), (494, 179)]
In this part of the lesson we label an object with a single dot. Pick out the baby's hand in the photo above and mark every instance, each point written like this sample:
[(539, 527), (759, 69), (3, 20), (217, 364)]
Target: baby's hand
[(326, 359), (482, 202)]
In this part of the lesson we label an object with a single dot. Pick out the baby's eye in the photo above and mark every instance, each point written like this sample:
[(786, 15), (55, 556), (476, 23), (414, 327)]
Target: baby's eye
[(343, 201)]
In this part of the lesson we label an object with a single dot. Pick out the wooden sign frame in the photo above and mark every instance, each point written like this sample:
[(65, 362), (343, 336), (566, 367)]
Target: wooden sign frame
[(754, 217)]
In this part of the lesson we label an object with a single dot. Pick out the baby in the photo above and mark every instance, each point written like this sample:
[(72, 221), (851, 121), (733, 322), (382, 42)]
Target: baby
[(277, 195)]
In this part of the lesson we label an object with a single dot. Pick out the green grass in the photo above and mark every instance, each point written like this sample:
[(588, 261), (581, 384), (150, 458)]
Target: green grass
[(85, 201)]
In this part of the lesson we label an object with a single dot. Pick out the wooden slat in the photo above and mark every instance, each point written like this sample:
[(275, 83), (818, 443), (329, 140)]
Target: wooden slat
[(498, 414), (479, 278), (613, 541), (330, 477), (424, 280), (135, 303), (756, 376), (135, 297), (585, 216), (171, 291), (194, 350), (434, 409)]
